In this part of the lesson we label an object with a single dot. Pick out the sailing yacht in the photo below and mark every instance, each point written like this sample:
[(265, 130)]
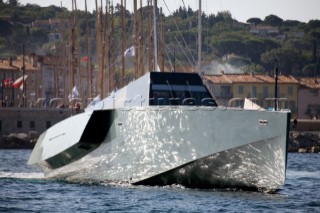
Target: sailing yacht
[(166, 128)]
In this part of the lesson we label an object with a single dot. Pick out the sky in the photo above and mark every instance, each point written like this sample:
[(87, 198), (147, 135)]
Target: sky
[(241, 10)]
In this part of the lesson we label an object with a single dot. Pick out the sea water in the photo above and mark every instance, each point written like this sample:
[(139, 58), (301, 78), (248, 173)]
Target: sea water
[(24, 189)]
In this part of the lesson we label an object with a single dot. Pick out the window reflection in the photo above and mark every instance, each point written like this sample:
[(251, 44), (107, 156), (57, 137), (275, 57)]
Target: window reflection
[(181, 95)]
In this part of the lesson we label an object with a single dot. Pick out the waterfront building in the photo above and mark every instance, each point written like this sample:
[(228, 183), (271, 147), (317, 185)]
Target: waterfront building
[(47, 83), (232, 89), (12, 93), (309, 101)]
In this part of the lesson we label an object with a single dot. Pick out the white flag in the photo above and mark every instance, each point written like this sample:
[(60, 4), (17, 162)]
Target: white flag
[(19, 82), (92, 104), (95, 100), (74, 93), (130, 51)]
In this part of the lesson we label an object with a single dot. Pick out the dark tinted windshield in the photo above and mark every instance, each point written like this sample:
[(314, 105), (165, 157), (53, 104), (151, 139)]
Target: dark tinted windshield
[(179, 89)]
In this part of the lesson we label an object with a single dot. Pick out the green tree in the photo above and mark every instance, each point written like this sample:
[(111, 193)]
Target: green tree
[(13, 2), (314, 24), (309, 70), (5, 28), (288, 60), (211, 20), (255, 21), (38, 36), (298, 44), (256, 68), (18, 37), (190, 11), (273, 20), (257, 46), (228, 46), (2, 42), (224, 16), (290, 23)]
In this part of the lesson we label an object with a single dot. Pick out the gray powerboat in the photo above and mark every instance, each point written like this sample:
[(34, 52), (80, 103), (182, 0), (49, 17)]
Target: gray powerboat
[(166, 128)]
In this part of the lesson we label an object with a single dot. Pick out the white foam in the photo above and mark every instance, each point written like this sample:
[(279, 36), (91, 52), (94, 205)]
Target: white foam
[(303, 174), (22, 175)]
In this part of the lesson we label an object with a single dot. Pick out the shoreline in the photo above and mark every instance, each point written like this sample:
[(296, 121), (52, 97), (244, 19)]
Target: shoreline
[(299, 141), (304, 141)]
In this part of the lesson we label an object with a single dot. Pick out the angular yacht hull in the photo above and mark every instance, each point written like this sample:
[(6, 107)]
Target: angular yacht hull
[(202, 147)]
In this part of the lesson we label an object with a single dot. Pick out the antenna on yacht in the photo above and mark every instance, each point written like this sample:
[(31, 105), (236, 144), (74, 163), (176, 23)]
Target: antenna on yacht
[(174, 60), (276, 89), (23, 80)]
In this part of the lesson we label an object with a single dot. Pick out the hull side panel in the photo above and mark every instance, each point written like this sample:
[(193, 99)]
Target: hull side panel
[(259, 165), (145, 142)]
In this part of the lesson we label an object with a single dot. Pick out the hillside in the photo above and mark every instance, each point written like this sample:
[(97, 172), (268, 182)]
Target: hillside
[(257, 45)]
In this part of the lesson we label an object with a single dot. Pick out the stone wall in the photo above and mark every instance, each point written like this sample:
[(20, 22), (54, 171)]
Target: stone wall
[(307, 125), (305, 142), (25, 120), (20, 128), (17, 141)]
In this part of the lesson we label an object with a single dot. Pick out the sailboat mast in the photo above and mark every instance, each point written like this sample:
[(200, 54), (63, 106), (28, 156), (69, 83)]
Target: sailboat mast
[(108, 46), (162, 43), (135, 31), (89, 73), (99, 48), (104, 44), (141, 43), (150, 66), (155, 36), (199, 37), (71, 52), (55, 76), (63, 57), (123, 17), (112, 85), (79, 72)]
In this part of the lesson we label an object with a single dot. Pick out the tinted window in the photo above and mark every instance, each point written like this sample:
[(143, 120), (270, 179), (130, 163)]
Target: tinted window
[(181, 95)]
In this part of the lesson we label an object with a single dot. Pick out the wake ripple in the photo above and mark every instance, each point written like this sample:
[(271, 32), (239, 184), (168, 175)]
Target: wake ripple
[(22, 175)]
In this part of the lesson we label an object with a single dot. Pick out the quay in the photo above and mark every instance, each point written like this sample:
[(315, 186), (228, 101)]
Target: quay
[(21, 127)]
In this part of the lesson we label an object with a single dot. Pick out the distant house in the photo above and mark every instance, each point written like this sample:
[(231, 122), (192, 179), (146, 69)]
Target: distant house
[(232, 89), (10, 71), (48, 80), (55, 77), (43, 24), (241, 24), (50, 24), (296, 34), (309, 98), (44, 79), (264, 31), (55, 36), (51, 68)]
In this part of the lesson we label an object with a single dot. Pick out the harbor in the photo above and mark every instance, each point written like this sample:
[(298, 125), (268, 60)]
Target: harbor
[(21, 128), (159, 106), (24, 188), (155, 124)]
